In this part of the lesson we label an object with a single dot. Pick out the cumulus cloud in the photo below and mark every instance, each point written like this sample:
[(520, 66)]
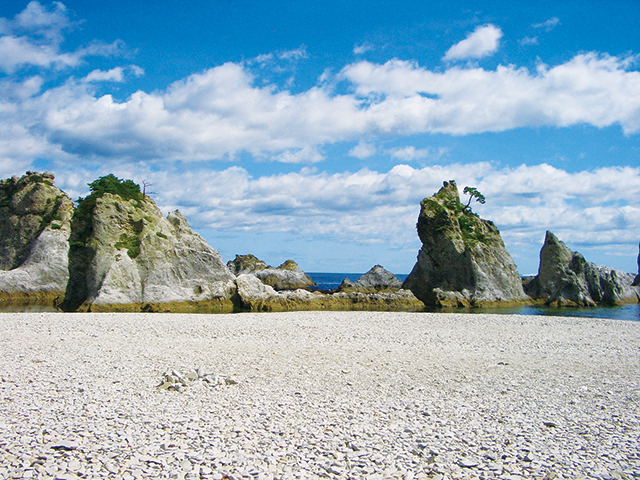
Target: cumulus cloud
[(363, 150), (372, 207), (590, 88), (483, 41), (232, 108), (222, 112)]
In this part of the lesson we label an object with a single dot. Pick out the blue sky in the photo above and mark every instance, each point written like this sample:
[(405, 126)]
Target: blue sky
[(312, 130)]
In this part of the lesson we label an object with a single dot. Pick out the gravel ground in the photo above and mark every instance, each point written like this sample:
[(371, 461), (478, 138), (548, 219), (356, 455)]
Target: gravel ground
[(318, 394)]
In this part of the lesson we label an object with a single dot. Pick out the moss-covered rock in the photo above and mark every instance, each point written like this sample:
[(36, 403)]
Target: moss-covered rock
[(34, 239), (125, 255), (463, 261)]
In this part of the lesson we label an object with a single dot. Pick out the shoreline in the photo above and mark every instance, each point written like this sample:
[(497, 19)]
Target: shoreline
[(334, 394)]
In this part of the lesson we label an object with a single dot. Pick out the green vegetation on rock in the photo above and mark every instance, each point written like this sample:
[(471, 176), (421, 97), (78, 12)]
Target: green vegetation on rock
[(131, 243), (82, 225)]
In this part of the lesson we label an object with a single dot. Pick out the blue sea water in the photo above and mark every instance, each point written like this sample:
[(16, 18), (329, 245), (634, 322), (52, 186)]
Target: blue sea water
[(331, 281)]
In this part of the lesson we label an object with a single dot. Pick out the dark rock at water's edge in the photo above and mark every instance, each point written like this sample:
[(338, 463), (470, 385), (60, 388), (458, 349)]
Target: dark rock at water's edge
[(463, 261), (126, 256), (287, 276), (378, 279), (35, 219), (566, 279)]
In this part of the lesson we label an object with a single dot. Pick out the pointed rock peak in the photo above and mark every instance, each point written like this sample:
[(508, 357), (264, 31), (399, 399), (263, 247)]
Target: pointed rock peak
[(177, 219), (449, 190), (246, 264), (378, 278), (565, 278), (289, 265)]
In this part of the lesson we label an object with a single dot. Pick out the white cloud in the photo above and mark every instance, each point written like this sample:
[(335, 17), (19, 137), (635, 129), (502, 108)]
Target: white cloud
[(590, 88), (295, 54), (113, 75), (48, 23), (481, 42), (230, 109), (410, 153), (363, 150), (361, 49), (221, 112), (528, 41), (549, 24), (369, 207), (16, 52), (302, 155)]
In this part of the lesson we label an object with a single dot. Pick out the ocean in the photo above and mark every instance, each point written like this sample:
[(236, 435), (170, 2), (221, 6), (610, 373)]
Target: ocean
[(331, 281)]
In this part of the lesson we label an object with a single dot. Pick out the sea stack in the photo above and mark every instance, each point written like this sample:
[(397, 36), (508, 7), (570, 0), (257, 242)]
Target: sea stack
[(566, 279), (463, 261), (125, 256), (35, 222)]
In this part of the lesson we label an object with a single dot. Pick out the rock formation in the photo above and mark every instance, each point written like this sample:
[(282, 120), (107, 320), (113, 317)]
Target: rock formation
[(253, 295), (126, 256), (35, 221), (463, 261), (565, 278), (287, 276), (375, 280), (636, 281)]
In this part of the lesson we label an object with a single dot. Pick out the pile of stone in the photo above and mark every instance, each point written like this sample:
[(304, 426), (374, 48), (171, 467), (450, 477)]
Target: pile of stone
[(175, 381)]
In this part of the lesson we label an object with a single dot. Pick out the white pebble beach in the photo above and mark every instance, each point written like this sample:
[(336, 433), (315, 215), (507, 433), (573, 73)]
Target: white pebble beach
[(319, 395)]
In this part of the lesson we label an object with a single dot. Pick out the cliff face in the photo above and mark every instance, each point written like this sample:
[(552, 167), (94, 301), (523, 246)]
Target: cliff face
[(125, 255), (565, 278), (34, 238), (287, 276), (463, 261)]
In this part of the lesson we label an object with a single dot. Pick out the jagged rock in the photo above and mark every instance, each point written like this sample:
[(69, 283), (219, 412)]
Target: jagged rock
[(636, 281), (246, 264), (463, 261), (287, 276), (565, 278), (35, 221), (126, 256), (378, 279), (375, 280)]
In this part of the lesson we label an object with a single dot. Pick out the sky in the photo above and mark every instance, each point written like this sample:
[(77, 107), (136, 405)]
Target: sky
[(312, 130)]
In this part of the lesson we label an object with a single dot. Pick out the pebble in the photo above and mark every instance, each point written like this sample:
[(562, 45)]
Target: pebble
[(318, 394)]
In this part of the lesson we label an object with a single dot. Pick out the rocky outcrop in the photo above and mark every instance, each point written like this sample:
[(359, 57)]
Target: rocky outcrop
[(287, 276), (35, 221), (125, 256), (636, 281), (378, 279), (463, 261), (253, 295), (566, 279)]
